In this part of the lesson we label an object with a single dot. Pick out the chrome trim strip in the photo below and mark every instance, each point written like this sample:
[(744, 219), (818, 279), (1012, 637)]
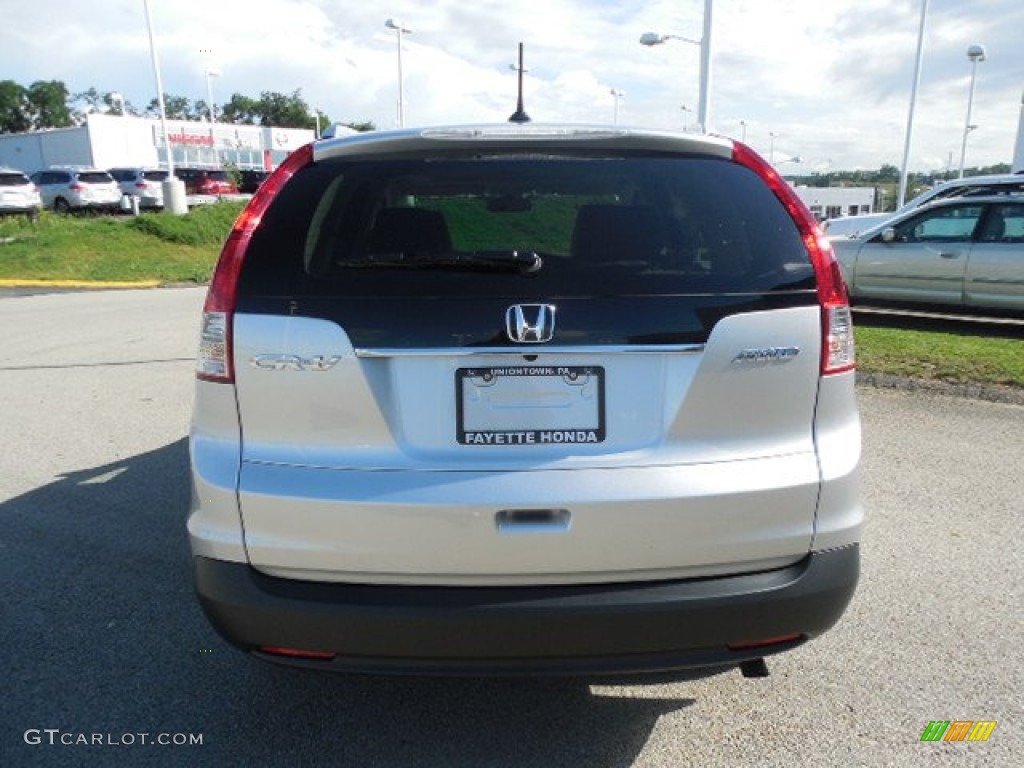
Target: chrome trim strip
[(638, 349)]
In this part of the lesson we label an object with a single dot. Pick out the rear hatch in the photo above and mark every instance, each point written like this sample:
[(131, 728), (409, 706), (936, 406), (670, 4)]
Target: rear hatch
[(16, 191), (97, 187), (523, 366)]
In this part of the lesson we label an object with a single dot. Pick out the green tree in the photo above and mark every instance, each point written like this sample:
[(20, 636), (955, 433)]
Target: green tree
[(240, 110), (14, 108), (177, 108), (85, 102), (48, 104), (285, 111), (888, 173)]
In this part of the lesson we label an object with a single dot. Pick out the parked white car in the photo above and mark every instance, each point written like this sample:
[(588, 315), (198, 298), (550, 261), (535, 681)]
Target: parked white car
[(69, 188), (144, 183), (17, 193)]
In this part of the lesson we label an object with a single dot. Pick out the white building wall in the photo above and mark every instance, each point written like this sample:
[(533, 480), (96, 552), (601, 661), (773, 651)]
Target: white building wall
[(23, 151), (108, 141), (121, 141), (30, 152)]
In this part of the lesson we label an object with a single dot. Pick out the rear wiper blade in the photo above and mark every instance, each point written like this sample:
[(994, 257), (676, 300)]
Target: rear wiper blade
[(524, 262)]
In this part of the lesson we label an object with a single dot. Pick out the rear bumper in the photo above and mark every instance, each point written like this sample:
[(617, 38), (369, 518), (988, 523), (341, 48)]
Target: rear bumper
[(591, 629)]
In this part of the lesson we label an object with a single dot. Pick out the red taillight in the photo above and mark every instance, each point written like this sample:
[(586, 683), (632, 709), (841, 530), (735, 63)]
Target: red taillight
[(214, 362), (141, 184), (296, 653), (837, 348), (76, 187), (764, 642)]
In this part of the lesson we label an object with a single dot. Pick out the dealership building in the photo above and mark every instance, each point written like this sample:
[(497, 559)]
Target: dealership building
[(110, 141), (834, 202)]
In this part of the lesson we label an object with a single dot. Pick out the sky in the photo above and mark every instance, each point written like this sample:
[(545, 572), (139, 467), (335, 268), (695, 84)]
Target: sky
[(831, 79)]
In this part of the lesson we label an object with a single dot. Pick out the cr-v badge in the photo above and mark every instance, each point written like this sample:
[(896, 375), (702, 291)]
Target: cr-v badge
[(530, 323), (276, 362)]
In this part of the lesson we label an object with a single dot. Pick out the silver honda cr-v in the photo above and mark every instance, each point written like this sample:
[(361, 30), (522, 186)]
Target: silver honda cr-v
[(525, 400)]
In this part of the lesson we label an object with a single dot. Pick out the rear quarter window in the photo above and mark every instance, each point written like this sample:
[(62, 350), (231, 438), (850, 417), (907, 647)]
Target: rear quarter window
[(13, 180), (95, 177)]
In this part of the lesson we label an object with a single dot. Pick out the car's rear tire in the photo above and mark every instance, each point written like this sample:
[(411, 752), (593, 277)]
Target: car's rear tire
[(60, 205)]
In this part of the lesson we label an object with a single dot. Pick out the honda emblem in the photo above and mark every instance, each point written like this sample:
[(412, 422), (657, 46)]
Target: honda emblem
[(530, 323)]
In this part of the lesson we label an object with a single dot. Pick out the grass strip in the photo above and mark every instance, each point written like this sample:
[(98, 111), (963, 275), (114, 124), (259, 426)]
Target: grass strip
[(162, 248)]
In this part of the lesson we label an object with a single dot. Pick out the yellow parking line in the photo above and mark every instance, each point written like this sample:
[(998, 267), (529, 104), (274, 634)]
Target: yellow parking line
[(18, 283)]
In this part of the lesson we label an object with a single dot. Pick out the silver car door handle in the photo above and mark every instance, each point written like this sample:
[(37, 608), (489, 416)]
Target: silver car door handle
[(947, 255)]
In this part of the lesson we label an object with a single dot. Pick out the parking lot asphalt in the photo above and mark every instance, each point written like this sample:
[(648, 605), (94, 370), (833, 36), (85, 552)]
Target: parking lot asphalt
[(101, 635)]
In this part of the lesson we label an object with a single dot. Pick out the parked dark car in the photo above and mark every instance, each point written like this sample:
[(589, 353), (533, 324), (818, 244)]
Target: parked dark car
[(251, 180)]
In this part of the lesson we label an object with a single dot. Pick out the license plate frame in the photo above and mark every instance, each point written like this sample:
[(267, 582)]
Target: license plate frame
[(543, 405)]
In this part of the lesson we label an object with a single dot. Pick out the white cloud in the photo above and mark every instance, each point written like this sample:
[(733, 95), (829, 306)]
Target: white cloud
[(832, 79)]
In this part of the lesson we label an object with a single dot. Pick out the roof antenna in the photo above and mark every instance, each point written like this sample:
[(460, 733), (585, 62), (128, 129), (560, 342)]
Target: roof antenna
[(519, 116)]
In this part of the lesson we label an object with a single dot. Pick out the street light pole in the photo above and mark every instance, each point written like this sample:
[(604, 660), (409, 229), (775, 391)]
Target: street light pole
[(704, 105), (399, 30), (686, 117), (771, 147), (913, 103), (616, 95), (211, 73), (651, 39), (743, 131), (174, 188), (975, 53)]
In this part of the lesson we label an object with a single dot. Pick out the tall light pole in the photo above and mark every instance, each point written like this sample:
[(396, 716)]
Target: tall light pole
[(686, 117), (174, 188), (975, 53), (616, 95), (771, 147), (1018, 147), (913, 103), (704, 105), (399, 31), (743, 131), (651, 39), (211, 73)]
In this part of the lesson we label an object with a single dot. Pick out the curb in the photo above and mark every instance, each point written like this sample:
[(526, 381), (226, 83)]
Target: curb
[(992, 393), (84, 284)]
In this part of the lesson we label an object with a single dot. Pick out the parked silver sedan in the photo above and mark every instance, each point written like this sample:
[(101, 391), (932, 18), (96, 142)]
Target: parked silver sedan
[(965, 252)]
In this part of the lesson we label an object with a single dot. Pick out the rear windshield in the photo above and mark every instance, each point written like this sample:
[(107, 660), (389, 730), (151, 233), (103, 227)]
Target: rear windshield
[(95, 177), (543, 226), (13, 180), (154, 175)]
